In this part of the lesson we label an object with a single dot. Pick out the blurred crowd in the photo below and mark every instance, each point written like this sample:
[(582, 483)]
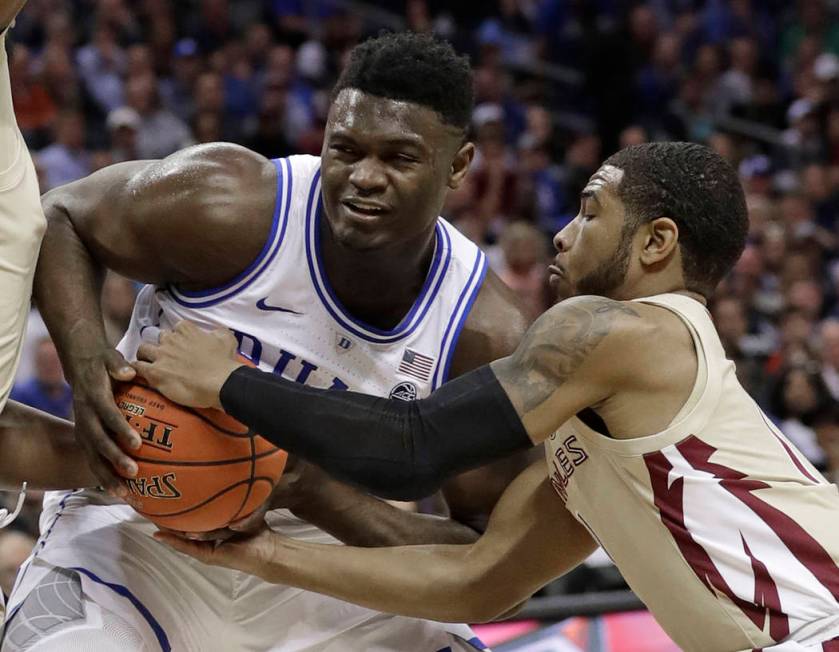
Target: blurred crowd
[(559, 84)]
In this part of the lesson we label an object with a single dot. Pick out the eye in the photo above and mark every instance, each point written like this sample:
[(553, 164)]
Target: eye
[(588, 218), (405, 158), (342, 149)]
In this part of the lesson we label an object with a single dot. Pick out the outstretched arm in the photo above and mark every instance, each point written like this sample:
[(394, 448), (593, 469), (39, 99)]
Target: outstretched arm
[(570, 359), (531, 539)]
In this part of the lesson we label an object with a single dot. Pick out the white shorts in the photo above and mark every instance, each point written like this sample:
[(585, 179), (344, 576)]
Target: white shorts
[(176, 603)]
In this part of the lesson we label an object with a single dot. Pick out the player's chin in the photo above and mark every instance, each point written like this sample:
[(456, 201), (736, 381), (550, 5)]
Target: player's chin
[(366, 236)]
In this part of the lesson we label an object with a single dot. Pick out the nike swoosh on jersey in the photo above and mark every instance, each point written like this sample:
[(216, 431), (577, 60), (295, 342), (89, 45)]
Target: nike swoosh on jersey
[(264, 306)]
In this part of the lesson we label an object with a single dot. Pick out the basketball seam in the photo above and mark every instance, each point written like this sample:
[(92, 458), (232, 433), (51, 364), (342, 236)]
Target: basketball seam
[(250, 482), (233, 460), (207, 500)]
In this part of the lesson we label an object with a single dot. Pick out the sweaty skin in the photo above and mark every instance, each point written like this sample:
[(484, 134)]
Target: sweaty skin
[(180, 221)]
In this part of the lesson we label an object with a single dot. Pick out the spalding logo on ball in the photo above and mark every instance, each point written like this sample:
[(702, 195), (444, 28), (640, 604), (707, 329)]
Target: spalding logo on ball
[(198, 469)]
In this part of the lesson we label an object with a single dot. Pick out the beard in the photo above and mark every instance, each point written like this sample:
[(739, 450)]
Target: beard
[(611, 275)]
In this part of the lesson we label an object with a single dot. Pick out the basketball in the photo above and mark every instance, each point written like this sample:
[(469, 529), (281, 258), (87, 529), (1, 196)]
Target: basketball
[(198, 469)]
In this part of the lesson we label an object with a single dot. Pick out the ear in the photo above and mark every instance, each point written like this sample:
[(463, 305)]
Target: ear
[(661, 239), (460, 164)]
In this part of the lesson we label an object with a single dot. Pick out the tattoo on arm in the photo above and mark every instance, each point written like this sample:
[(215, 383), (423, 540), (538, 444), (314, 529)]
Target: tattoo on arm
[(556, 346)]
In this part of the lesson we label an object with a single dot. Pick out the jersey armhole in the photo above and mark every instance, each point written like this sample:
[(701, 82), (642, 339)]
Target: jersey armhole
[(458, 317), (213, 296)]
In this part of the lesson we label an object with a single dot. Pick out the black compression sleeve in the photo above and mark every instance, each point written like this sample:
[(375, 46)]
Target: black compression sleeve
[(402, 450)]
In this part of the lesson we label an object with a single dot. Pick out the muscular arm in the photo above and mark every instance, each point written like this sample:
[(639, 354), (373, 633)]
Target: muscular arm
[(40, 449), (573, 357), (194, 218), (531, 539)]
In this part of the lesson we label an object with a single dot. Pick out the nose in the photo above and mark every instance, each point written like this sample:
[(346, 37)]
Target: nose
[(367, 177), (562, 240)]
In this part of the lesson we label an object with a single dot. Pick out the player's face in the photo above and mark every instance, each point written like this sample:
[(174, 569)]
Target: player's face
[(386, 166), (595, 249)]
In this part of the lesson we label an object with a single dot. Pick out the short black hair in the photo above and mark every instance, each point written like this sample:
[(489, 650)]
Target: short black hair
[(700, 191), (416, 68)]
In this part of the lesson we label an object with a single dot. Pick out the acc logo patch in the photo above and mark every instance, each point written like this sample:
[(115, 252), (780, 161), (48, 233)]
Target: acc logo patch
[(406, 391)]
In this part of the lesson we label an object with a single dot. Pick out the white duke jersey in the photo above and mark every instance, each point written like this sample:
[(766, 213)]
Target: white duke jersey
[(718, 523), (288, 321)]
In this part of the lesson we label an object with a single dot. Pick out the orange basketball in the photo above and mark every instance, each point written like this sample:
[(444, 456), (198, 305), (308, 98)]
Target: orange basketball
[(198, 469)]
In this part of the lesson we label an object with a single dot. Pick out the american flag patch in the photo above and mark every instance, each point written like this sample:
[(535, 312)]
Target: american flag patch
[(416, 364)]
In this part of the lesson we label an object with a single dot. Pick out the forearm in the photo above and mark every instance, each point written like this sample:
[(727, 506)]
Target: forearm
[(359, 519), (400, 450), (67, 286), (41, 450), (434, 582)]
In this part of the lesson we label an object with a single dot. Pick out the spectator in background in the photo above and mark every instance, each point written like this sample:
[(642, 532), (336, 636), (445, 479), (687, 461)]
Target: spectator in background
[(795, 342), (523, 266), (269, 138), (541, 188), (176, 89), (736, 86), (66, 159), (742, 349), (633, 135), (101, 64), (47, 391), (494, 170), (161, 132), (829, 349), (123, 125), (801, 403), (34, 108), (212, 119)]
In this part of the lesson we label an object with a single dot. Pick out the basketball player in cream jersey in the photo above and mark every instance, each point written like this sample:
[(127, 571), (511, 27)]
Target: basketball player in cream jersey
[(33, 445), (654, 450), (333, 271)]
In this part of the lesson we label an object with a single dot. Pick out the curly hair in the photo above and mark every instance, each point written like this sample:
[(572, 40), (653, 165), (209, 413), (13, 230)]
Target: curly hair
[(700, 192), (414, 68)]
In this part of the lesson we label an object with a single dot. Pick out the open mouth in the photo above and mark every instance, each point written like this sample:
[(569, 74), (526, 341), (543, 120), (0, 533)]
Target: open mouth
[(362, 208)]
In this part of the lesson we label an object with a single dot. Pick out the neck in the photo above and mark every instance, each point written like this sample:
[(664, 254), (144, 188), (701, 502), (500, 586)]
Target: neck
[(377, 286), (644, 289)]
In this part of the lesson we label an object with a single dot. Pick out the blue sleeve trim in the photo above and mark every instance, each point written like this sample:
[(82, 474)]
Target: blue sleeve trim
[(458, 318)]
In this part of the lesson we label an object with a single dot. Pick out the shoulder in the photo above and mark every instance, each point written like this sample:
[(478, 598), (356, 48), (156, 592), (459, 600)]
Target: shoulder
[(494, 328), (591, 332), (219, 183), (204, 166)]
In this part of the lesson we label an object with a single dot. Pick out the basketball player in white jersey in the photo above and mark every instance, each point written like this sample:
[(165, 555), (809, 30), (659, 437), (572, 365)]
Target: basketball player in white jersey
[(333, 271), (654, 450)]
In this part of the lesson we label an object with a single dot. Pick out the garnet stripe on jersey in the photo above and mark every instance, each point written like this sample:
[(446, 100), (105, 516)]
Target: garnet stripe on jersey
[(767, 596), (792, 456), (804, 547), (670, 503)]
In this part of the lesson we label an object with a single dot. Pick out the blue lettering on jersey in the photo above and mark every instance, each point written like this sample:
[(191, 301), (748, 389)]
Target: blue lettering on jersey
[(252, 348)]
